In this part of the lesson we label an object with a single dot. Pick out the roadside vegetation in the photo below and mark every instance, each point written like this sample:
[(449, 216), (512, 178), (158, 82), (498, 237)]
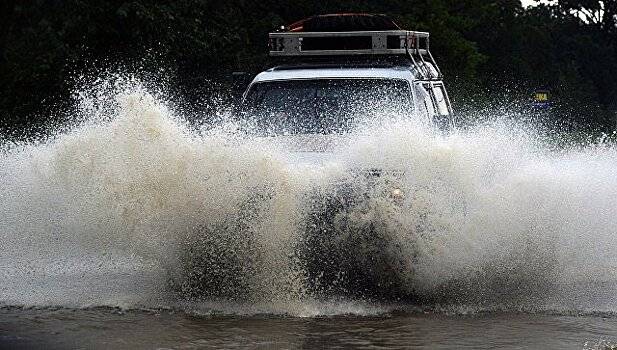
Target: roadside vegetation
[(490, 51)]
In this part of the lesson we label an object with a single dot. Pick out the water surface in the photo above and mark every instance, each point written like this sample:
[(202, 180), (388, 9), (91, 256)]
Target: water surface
[(113, 328), (498, 240)]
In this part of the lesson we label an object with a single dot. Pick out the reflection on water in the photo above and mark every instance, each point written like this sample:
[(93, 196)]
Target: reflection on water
[(112, 328)]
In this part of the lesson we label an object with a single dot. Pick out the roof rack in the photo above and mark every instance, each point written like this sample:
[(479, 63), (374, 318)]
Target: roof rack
[(414, 45), (378, 61)]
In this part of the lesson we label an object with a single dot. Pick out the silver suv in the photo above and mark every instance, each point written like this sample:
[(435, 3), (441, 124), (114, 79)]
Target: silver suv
[(330, 78), (335, 72)]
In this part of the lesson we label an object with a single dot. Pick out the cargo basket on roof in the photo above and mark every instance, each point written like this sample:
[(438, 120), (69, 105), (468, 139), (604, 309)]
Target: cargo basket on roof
[(330, 35)]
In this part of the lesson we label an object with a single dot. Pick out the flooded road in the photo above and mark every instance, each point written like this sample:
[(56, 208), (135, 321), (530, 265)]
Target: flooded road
[(116, 329), (493, 237)]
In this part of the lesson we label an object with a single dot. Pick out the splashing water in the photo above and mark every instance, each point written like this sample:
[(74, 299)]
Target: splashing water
[(134, 209)]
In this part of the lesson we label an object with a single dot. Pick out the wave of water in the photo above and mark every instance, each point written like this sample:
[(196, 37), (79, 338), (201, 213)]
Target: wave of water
[(133, 208)]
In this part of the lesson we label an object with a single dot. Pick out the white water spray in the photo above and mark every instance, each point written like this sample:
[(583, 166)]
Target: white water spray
[(106, 213)]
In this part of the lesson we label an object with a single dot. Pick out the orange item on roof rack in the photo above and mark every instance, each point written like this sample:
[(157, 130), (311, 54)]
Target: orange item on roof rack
[(344, 22)]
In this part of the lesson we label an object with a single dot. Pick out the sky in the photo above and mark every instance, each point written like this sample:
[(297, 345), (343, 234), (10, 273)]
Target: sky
[(532, 2)]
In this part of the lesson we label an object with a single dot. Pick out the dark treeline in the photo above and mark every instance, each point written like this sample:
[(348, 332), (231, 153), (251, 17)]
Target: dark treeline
[(488, 50)]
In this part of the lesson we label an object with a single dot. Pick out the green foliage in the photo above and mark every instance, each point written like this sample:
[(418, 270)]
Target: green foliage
[(485, 48)]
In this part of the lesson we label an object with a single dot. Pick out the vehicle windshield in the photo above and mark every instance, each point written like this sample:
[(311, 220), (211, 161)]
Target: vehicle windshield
[(324, 106)]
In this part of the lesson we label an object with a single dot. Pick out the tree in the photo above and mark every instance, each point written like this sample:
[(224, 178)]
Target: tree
[(602, 14), (494, 46)]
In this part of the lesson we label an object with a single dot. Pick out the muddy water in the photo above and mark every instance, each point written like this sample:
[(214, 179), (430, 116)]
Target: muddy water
[(115, 329), (500, 237)]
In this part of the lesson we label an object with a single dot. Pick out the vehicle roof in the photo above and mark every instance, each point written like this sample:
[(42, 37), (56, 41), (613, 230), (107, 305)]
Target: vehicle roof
[(324, 73)]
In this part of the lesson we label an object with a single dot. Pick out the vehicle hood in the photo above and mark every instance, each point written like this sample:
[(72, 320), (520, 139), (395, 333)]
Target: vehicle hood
[(320, 151), (308, 149)]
